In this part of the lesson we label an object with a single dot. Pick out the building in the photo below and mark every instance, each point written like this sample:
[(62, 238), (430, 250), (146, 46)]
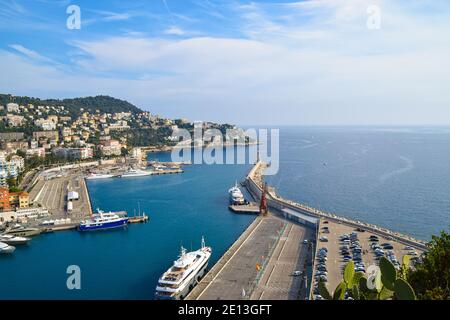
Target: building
[(11, 136), (13, 146), (51, 135), (45, 124), (74, 153), (19, 162), (19, 199), (12, 107), (111, 148), (8, 169), (72, 195), (14, 120), (36, 152), (4, 199), (20, 214)]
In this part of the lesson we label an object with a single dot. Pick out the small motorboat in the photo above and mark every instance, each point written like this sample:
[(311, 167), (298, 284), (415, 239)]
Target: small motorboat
[(13, 240), (6, 248)]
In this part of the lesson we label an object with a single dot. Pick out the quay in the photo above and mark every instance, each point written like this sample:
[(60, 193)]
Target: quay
[(251, 208), (168, 171), (275, 256)]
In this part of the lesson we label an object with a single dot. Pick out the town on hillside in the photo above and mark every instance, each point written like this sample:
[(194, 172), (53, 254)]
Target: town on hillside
[(36, 134)]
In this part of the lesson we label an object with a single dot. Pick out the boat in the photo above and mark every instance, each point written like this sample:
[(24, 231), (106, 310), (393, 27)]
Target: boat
[(236, 196), (136, 173), (103, 221), (140, 218), (13, 240), (6, 248), (96, 176), (186, 272), (21, 231)]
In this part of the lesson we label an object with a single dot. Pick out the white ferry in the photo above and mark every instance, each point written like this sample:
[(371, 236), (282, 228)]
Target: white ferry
[(186, 272), (96, 176), (236, 196)]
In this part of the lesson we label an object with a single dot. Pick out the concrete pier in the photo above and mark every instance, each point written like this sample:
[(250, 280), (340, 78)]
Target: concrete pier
[(274, 257), (256, 264)]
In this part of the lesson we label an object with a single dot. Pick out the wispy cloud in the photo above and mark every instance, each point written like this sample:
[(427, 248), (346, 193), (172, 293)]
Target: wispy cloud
[(301, 62), (31, 54)]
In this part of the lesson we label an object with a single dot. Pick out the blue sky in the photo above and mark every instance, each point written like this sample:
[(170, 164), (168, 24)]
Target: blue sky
[(246, 62)]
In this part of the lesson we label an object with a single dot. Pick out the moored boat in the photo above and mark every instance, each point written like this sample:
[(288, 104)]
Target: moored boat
[(103, 221), (186, 272), (236, 196), (21, 231), (13, 240), (96, 176), (132, 173), (6, 248)]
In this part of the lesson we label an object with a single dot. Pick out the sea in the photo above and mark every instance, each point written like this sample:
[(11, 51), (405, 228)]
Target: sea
[(391, 176)]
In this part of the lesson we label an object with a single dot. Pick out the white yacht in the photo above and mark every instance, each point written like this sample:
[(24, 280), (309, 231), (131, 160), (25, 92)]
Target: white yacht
[(136, 173), (236, 196), (96, 176), (5, 248), (186, 272), (13, 240)]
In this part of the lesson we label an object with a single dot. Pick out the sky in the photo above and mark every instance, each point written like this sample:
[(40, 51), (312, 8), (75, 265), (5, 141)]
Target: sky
[(310, 62)]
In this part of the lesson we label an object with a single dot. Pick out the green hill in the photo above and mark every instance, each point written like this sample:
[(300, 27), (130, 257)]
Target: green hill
[(105, 104)]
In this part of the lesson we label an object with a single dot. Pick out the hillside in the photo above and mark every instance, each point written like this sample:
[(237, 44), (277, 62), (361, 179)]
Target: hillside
[(105, 104)]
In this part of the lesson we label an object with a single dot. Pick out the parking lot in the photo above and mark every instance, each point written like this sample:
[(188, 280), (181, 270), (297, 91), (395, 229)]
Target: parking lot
[(339, 243), (52, 195)]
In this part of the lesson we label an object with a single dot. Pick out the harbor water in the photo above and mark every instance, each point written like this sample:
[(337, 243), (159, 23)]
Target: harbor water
[(398, 178), (126, 264)]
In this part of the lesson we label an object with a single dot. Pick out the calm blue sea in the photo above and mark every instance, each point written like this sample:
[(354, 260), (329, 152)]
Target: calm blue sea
[(395, 177)]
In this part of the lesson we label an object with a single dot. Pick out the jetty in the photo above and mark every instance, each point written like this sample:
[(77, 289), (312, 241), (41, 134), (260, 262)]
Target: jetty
[(251, 208), (274, 258)]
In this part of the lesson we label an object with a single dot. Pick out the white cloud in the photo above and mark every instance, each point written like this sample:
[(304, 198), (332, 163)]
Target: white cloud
[(311, 62), (174, 31)]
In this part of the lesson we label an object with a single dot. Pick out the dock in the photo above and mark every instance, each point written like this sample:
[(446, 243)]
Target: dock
[(138, 219), (251, 208), (275, 256), (168, 171)]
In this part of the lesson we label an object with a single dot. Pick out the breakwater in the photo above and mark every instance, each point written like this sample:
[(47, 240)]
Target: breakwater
[(254, 184)]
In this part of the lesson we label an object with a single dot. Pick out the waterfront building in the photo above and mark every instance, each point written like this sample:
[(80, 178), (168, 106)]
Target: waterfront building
[(4, 199), (111, 148), (19, 199), (20, 214)]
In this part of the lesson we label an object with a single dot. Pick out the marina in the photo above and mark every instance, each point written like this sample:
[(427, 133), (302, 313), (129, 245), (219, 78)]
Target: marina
[(146, 250)]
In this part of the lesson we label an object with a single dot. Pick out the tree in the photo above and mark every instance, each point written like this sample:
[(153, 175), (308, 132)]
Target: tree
[(431, 278), (388, 284)]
